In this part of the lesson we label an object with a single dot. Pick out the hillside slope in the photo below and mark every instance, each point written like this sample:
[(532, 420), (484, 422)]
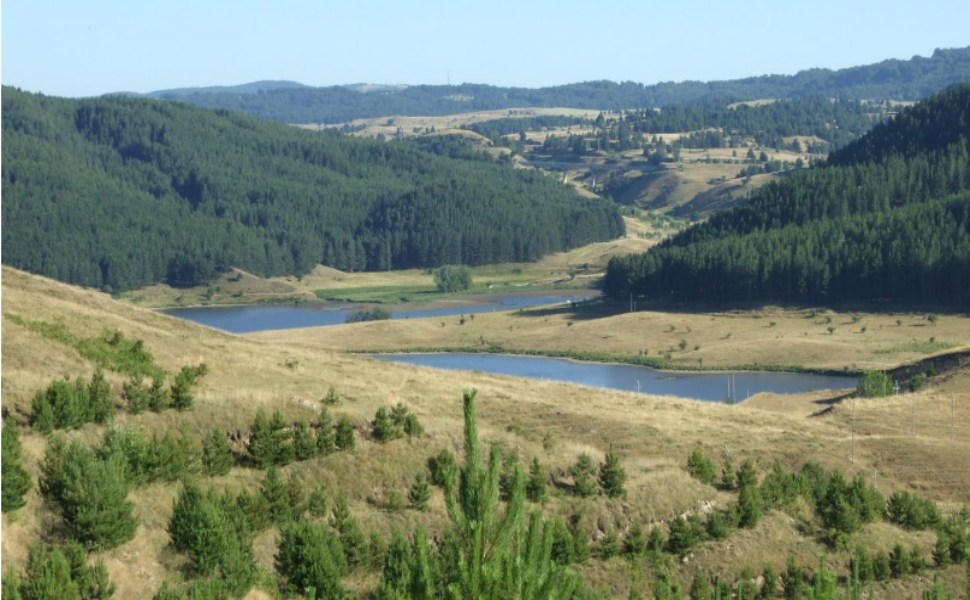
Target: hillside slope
[(550, 421), (119, 193), (888, 219)]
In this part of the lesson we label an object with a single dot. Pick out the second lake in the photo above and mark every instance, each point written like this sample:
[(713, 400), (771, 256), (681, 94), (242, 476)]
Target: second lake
[(707, 386)]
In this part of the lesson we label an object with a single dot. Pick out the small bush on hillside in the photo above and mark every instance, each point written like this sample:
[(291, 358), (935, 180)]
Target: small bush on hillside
[(15, 481), (873, 384), (701, 467)]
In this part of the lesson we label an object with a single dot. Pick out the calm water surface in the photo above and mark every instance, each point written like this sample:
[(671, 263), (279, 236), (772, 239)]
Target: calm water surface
[(712, 387), (247, 319)]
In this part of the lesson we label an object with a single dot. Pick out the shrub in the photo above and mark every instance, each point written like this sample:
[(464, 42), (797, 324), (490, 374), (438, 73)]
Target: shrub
[(15, 482), (701, 467), (374, 314), (91, 494), (217, 458), (681, 538), (453, 278), (304, 443), (344, 435), (441, 465), (913, 512), (535, 487), (419, 494), (309, 556), (583, 472), (612, 476), (873, 384)]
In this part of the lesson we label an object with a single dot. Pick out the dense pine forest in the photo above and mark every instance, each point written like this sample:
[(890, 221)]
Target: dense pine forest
[(119, 193), (887, 218), (287, 102)]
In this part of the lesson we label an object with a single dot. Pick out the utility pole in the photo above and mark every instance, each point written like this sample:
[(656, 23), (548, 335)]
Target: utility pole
[(874, 478)]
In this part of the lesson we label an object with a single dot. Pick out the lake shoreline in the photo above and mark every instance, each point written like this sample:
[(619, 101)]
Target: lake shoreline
[(636, 361)]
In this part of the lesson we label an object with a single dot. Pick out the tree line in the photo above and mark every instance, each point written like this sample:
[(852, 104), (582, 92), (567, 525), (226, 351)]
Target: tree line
[(887, 218), (119, 193), (898, 79)]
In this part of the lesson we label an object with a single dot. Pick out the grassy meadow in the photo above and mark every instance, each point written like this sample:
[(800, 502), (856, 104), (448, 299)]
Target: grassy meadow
[(291, 371)]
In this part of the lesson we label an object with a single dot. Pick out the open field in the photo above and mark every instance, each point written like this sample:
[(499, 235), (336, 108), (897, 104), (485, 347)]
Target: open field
[(415, 125), (766, 337), (553, 421)]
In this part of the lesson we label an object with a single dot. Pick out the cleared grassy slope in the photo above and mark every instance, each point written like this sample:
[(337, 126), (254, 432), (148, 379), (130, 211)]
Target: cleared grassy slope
[(552, 421)]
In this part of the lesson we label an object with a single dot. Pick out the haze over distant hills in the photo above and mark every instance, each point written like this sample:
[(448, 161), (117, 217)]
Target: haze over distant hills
[(295, 103)]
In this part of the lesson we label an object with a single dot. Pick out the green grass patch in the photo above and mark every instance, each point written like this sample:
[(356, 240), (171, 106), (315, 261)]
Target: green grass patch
[(111, 350), (927, 347)]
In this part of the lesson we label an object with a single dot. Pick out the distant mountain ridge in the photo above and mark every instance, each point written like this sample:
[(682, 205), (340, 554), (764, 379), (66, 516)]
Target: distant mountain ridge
[(254, 87), (291, 102)]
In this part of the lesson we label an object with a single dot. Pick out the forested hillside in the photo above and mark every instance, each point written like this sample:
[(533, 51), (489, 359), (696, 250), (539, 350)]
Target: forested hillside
[(898, 79), (888, 218), (119, 193)]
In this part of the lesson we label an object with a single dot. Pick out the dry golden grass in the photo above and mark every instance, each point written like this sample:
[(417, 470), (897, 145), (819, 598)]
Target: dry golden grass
[(416, 125), (234, 287), (555, 422), (767, 336)]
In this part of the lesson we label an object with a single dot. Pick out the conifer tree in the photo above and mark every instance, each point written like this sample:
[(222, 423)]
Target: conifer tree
[(384, 428), (609, 545), (584, 472), (181, 390), (296, 495), (304, 442), (216, 453), (282, 439), (396, 574), (442, 466), (344, 440), (635, 542), (185, 519), (506, 477), (158, 399), (260, 445), (102, 407), (681, 538), (310, 557), (351, 537), (274, 491), (535, 488), (612, 476), (135, 395), (422, 578), (94, 498), (419, 494), (326, 440), (317, 501), (15, 481), (47, 576), (41, 413)]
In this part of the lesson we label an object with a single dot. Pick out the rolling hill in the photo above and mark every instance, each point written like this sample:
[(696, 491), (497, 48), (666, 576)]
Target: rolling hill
[(897, 79), (118, 193), (887, 219)]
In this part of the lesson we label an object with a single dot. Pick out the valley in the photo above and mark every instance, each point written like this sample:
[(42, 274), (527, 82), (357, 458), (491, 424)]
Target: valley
[(814, 225)]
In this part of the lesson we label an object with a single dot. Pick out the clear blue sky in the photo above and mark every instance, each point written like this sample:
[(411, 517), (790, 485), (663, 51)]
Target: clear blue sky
[(84, 48)]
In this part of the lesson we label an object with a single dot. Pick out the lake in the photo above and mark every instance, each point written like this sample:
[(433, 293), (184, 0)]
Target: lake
[(247, 319), (708, 386)]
